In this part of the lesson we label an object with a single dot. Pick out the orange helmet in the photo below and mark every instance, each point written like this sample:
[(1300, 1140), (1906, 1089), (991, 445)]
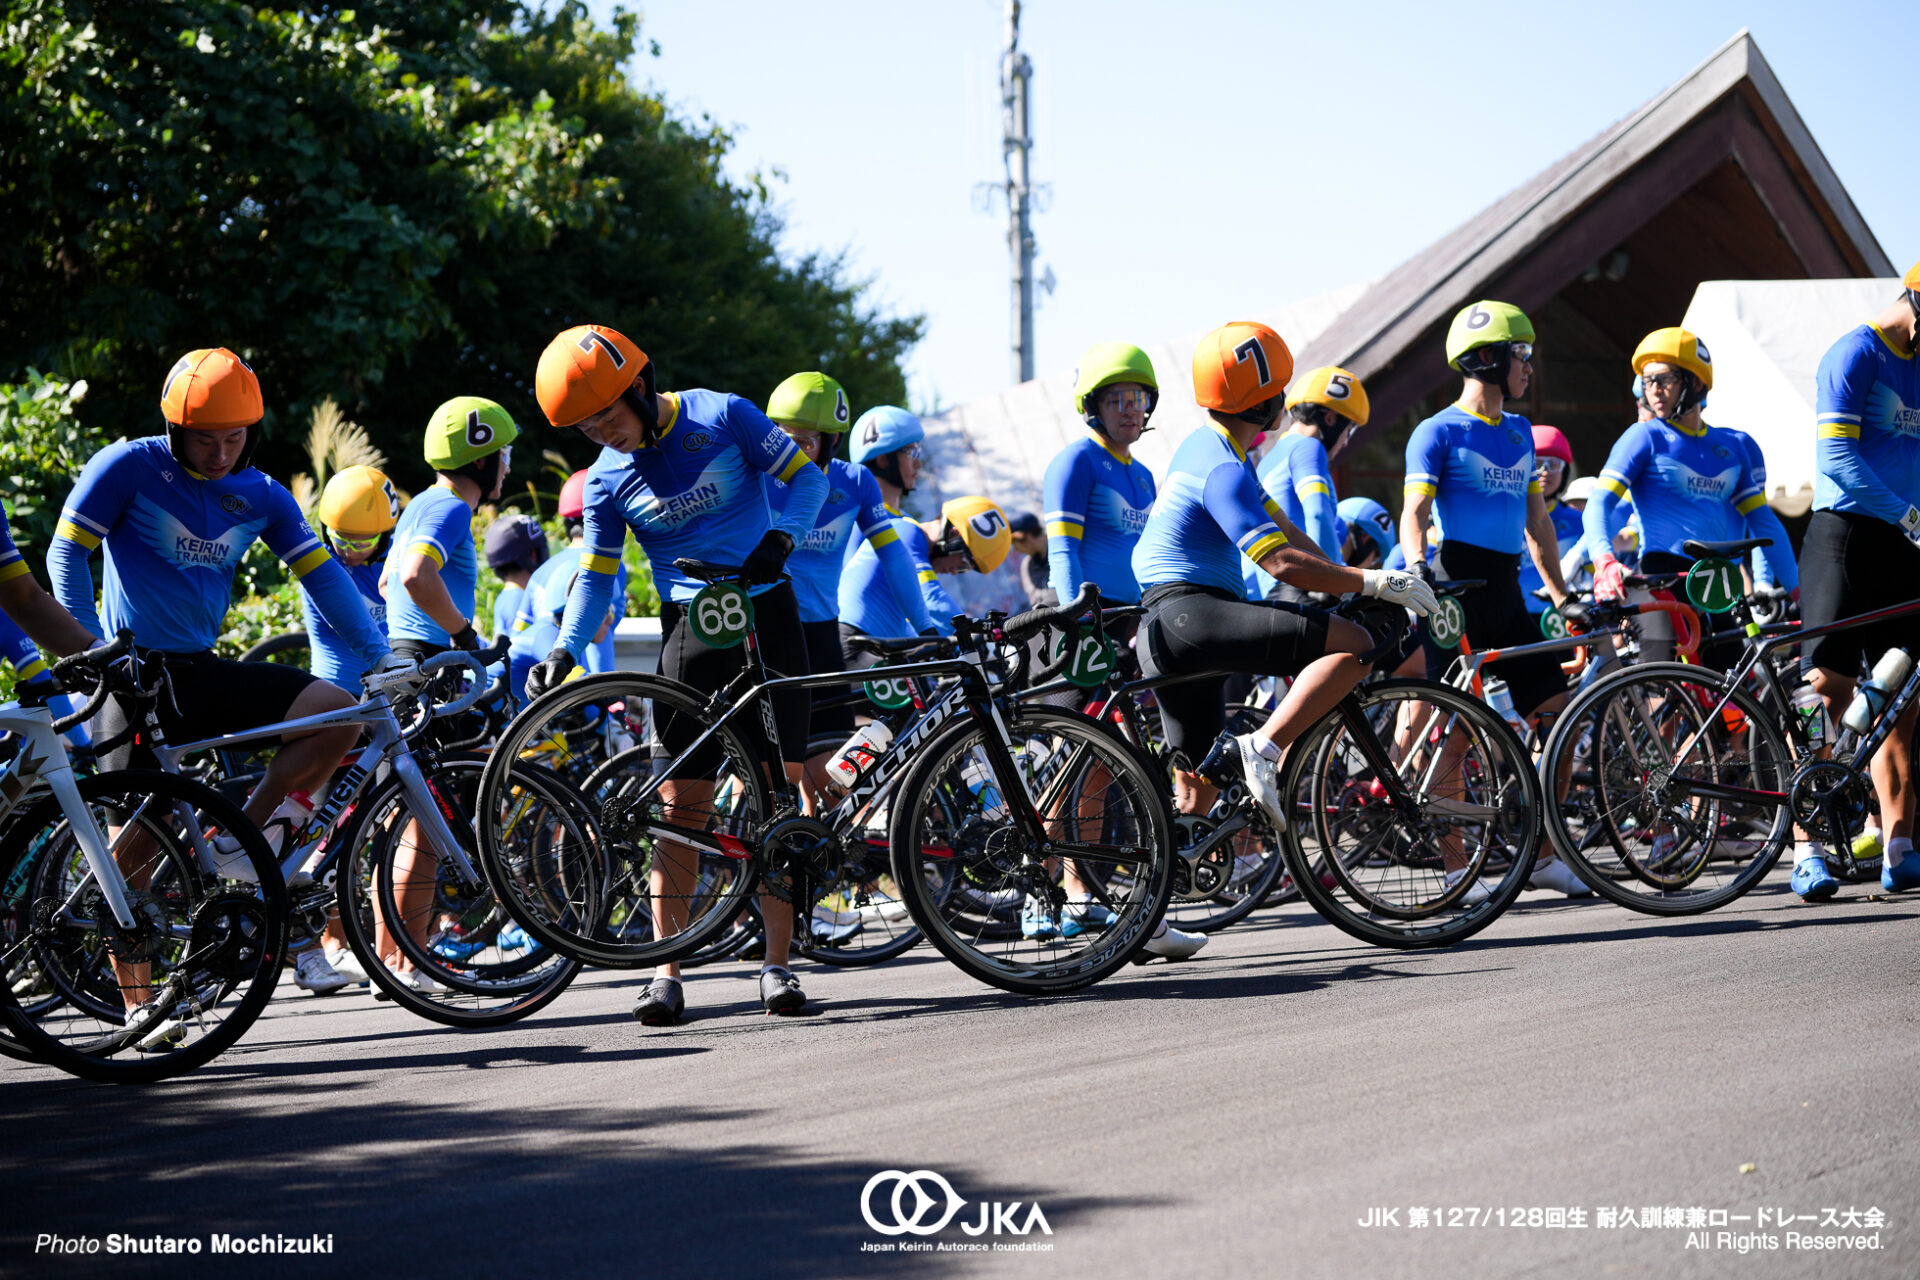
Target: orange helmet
[(585, 369), (211, 390), (1240, 365)]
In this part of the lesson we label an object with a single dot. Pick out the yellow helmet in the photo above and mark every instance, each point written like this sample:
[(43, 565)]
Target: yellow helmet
[(982, 526), (1677, 347), (1333, 388), (359, 503)]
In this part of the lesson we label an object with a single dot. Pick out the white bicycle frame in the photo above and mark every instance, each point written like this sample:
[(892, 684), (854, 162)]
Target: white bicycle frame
[(42, 758)]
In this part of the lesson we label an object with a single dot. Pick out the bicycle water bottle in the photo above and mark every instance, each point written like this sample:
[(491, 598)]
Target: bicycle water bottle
[(1812, 711), (1500, 698), (979, 779), (1888, 675), (867, 744)]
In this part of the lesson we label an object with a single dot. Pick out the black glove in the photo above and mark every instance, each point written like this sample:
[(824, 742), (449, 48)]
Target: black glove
[(764, 562), (465, 639), (1422, 571), (549, 672), (1576, 615)]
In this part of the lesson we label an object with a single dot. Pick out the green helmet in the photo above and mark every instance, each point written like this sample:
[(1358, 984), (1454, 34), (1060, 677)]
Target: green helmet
[(811, 400), (466, 429), (1484, 323), (1110, 362)]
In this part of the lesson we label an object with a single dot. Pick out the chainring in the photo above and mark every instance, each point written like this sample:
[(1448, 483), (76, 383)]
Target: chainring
[(229, 935), (796, 845), (1829, 793)]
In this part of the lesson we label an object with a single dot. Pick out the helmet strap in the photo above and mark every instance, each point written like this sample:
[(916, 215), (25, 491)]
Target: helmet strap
[(644, 407), (1264, 414), (887, 467), (1490, 364)]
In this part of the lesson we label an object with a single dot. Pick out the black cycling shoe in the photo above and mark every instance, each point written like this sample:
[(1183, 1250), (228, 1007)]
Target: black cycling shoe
[(661, 1004), (780, 991), (1222, 764)]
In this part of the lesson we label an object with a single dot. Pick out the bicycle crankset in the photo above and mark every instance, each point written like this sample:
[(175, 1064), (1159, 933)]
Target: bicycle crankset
[(229, 932), (793, 845), (142, 942), (1199, 873), (1830, 794)]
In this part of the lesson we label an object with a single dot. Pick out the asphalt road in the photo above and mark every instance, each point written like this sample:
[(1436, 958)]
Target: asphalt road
[(1238, 1114)]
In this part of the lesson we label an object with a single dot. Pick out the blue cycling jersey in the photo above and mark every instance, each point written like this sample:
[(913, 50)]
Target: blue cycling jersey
[(333, 659), (173, 541), (546, 601), (868, 602), (1868, 406), (696, 493), (1097, 505), (1478, 471), (1296, 476), (1212, 512), (12, 563), (437, 524), (506, 607), (1566, 529), (853, 503), (1710, 485)]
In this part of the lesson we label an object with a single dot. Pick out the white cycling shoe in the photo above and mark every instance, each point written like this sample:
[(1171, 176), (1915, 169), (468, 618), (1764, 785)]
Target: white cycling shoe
[(1477, 892), (1262, 777), (1174, 944), (311, 972), (1559, 877)]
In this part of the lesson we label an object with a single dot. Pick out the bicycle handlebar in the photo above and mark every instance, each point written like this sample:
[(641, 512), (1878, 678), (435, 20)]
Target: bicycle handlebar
[(92, 664), (1022, 627)]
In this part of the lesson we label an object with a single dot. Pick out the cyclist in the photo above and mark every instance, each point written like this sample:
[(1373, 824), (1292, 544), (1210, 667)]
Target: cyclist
[(812, 409), (1472, 464), (970, 533), (516, 546), (1370, 539), (1323, 405), (1097, 493), (1859, 553), (41, 618), (537, 624), (1687, 480), (1553, 467), (681, 470), (356, 515), (174, 516), (1188, 562), (1030, 544)]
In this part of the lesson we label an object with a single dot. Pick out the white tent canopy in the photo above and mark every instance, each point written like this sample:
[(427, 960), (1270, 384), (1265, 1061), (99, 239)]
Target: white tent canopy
[(1767, 338), (1000, 445)]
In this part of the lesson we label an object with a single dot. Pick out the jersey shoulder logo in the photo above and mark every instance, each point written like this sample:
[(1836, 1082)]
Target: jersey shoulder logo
[(835, 497), (234, 505), (696, 442), (1513, 437)]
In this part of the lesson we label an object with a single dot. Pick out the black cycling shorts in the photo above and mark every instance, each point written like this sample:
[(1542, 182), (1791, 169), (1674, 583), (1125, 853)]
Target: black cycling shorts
[(1719, 655), (823, 655), (210, 697), (1497, 618), (776, 622), (1192, 629), (1852, 564)]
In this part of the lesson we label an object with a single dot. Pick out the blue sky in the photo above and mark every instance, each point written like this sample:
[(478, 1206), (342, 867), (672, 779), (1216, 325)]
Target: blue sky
[(1212, 160)]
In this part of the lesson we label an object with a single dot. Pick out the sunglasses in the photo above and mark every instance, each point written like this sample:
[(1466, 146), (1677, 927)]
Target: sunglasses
[(1661, 380), (1522, 351), (1127, 399), (354, 546)]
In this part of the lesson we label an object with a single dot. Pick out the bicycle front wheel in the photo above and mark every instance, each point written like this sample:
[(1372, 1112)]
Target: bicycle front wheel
[(197, 966), (1677, 803), (1444, 861), (674, 853), (963, 863)]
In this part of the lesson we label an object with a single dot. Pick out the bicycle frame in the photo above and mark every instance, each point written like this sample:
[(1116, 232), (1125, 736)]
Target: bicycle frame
[(42, 758)]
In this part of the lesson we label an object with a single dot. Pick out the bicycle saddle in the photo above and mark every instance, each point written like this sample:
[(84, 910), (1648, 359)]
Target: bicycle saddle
[(1456, 586), (1732, 550), (706, 571), (883, 647)]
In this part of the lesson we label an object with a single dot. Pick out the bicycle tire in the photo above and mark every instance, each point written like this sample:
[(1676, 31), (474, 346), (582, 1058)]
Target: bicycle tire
[(1066, 743), (595, 904), (1627, 885), (475, 991), (1416, 908), (277, 648), (242, 930)]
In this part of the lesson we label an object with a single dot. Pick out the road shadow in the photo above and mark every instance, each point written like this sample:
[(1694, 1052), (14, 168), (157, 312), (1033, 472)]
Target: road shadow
[(460, 1188)]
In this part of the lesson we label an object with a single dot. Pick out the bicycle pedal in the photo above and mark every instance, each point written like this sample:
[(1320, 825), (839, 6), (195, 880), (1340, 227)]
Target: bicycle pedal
[(1222, 763)]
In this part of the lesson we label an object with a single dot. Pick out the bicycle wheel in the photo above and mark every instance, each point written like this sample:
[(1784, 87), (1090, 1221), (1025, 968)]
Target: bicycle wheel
[(33, 989), (1238, 876), (288, 648), (1645, 838), (1101, 805), (656, 881), (485, 971), (188, 979), (1445, 864)]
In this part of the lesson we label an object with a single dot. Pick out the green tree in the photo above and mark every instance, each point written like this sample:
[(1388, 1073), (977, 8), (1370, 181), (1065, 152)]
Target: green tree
[(388, 204)]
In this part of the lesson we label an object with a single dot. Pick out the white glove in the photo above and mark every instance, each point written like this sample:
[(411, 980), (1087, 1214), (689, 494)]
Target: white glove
[(1398, 587), (1910, 524), (390, 664)]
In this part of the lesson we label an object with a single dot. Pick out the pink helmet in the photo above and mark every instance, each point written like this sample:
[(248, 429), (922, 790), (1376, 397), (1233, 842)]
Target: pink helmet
[(573, 496), (1551, 442)]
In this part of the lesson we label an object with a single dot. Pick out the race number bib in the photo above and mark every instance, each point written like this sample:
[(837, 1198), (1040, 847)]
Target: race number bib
[(1095, 659), (888, 695), (1447, 623), (1714, 585), (721, 615)]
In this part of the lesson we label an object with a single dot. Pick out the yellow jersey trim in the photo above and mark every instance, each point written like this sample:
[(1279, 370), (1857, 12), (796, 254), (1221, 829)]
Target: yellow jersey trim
[(307, 563)]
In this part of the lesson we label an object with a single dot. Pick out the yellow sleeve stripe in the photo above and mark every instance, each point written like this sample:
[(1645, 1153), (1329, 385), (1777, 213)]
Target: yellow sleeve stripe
[(1422, 487), (74, 533), (1839, 431), (1313, 486), (1065, 529), (1533, 486), (1752, 503), (307, 563), (431, 552), (1612, 486), (599, 564), (32, 669), (12, 570), (792, 468), (885, 535), (1266, 546), (928, 575)]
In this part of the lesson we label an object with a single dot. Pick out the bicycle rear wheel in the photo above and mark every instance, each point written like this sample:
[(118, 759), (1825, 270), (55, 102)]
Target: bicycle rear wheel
[(1639, 741), (1445, 865), (142, 1004), (955, 843), (601, 899)]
